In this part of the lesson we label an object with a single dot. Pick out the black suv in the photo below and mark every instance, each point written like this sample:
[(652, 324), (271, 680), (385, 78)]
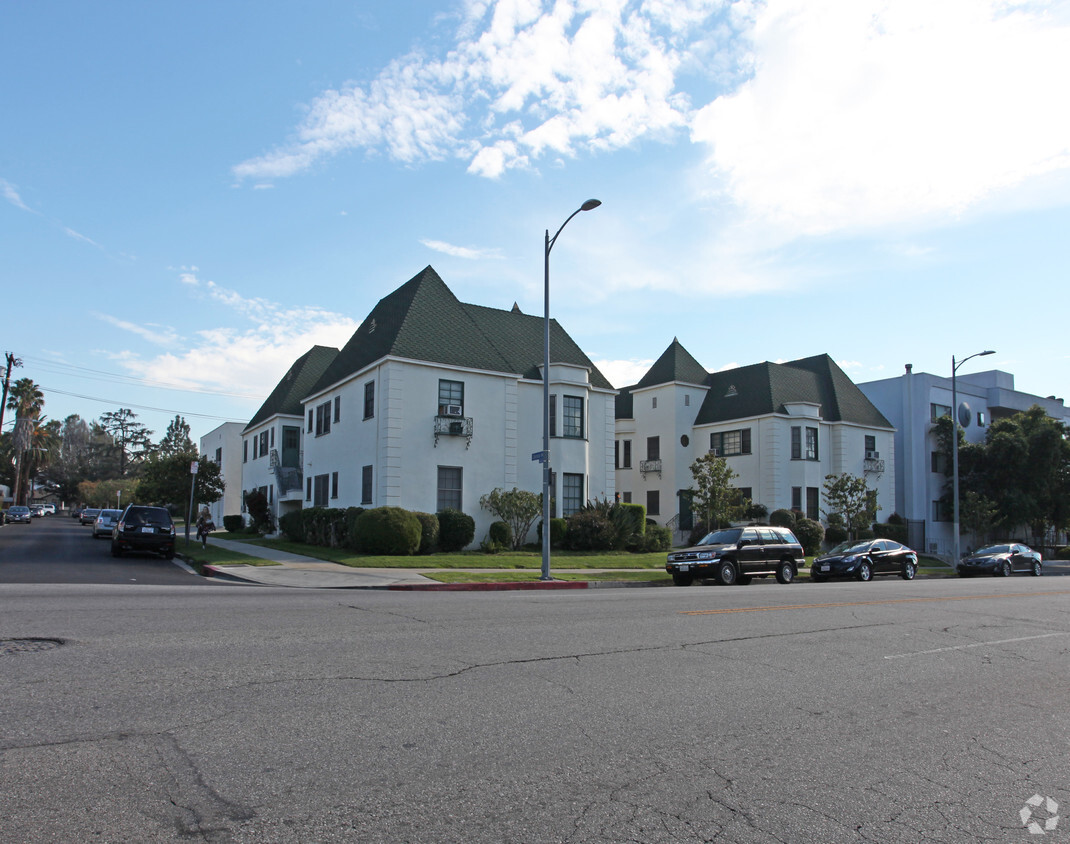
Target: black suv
[(734, 555), (143, 528)]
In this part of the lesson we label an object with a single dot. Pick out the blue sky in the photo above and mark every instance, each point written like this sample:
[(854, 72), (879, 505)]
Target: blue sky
[(192, 195)]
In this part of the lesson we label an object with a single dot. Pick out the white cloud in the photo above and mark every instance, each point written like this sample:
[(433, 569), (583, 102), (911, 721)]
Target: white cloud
[(623, 373), (11, 194), (248, 360), (865, 113), (525, 78), (158, 335), (460, 251)]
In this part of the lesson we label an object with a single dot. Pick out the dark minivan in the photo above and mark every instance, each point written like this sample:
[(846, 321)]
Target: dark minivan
[(144, 528), (735, 555)]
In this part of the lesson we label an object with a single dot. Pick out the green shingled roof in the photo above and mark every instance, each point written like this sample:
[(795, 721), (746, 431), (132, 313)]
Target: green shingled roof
[(761, 389), (675, 364), (764, 388), (423, 320), (295, 385)]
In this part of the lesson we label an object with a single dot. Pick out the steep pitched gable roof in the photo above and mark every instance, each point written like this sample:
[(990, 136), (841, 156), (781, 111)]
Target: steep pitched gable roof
[(764, 388), (294, 386), (423, 320), (675, 364)]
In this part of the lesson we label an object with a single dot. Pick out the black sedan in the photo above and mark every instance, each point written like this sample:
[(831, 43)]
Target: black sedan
[(862, 560), (1004, 560)]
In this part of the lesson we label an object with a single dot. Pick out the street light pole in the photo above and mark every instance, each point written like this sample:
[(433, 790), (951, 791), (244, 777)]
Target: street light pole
[(550, 241), (955, 451)]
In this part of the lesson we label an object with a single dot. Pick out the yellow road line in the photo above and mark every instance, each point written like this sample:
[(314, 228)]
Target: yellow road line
[(868, 603)]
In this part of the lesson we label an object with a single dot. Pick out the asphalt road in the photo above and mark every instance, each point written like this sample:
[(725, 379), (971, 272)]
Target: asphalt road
[(845, 712), (57, 549)]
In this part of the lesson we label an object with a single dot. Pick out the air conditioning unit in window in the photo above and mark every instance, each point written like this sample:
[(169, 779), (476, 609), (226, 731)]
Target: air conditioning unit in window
[(716, 452), (873, 455), (452, 410)]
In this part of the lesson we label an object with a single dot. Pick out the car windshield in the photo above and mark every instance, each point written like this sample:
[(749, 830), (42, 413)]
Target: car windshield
[(722, 537), (994, 549), (849, 547)]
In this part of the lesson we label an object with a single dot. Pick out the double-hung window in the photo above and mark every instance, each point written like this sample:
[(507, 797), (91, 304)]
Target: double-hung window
[(369, 400), (572, 416), (450, 398), (366, 485), (571, 493), (320, 488), (450, 481), (323, 419)]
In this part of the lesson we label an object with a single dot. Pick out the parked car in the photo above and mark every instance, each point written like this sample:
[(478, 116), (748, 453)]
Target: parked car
[(862, 560), (37, 510), (144, 528), (76, 512), (735, 555), (89, 515), (1004, 560), (18, 513), (49, 509), (105, 522)]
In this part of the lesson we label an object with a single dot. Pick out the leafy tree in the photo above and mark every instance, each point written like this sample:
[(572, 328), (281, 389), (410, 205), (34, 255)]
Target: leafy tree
[(132, 438), (848, 496), (517, 507), (166, 481), (70, 465), (977, 513), (715, 500), (112, 493), (177, 439)]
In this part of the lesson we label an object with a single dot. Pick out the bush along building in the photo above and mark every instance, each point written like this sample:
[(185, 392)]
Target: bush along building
[(782, 428), (432, 404)]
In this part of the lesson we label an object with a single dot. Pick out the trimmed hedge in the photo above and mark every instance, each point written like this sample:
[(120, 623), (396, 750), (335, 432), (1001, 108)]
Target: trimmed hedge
[(233, 524), (891, 530), (501, 533), (782, 518), (387, 530), (428, 532), (810, 534), (656, 538), (456, 530)]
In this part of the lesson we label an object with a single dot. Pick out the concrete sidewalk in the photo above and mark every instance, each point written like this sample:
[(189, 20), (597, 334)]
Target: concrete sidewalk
[(295, 570)]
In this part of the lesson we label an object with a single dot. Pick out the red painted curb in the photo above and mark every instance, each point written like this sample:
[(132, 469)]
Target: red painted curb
[(486, 587)]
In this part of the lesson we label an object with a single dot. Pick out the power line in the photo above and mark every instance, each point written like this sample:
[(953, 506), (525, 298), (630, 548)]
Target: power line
[(118, 378), (143, 406)]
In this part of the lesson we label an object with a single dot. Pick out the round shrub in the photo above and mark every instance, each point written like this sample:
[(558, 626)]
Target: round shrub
[(388, 530), (656, 538), (591, 530), (501, 534), (235, 523), (896, 519), (782, 518), (810, 534), (428, 532), (835, 534), (456, 530), (558, 533)]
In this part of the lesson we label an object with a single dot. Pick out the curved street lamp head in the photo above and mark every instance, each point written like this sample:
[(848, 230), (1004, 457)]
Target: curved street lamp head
[(590, 204)]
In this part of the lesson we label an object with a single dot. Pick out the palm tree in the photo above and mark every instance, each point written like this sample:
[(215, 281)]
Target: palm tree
[(27, 400)]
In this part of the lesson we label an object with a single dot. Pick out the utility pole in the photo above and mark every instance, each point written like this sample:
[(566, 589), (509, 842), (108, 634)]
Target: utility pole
[(11, 362)]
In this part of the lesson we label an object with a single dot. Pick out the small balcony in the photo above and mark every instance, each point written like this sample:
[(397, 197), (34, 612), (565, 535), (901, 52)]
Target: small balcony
[(648, 466), (873, 465), (454, 426)]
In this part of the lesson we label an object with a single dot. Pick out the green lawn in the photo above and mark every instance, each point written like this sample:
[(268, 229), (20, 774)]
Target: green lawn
[(464, 559), (213, 555)]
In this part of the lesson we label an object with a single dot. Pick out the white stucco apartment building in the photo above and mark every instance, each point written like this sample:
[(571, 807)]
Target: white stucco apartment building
[(434, 403), (781, 427), (222, 445)]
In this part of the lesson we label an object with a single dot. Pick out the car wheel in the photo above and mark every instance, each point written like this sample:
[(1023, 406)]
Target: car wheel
[(1037, 569), (785, 572), (1006, 570), (116, 551), (170, 555), (726, 573), (682, 578), (908, 571), (865, 571)]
